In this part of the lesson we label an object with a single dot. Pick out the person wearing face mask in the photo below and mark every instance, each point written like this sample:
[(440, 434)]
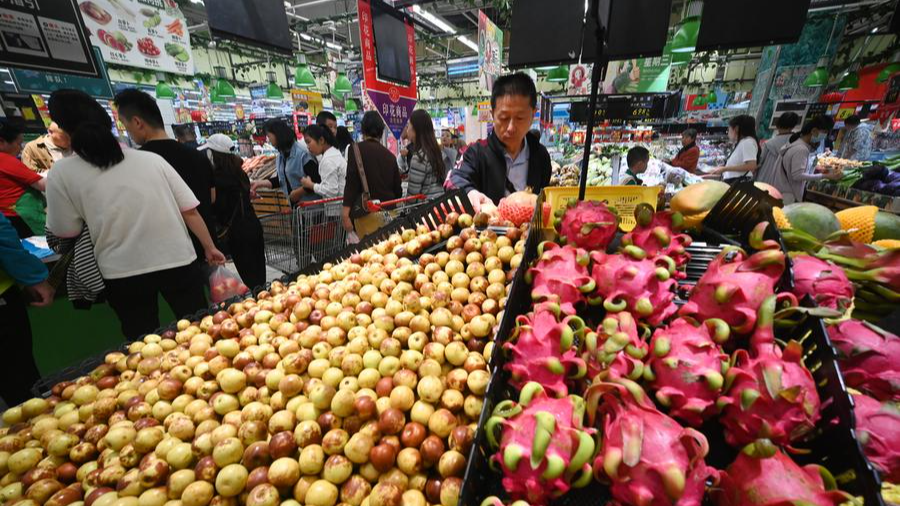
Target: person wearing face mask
[(40, 153), (510, 159), (791, 169), (744, 159), (448, 147), (771, 149)]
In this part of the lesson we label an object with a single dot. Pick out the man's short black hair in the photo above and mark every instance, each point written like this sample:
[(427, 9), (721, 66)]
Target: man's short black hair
[(637, 155), (324, 116), (135, 103), (514, 84), (787, 121), (372, 125), (852, 120)]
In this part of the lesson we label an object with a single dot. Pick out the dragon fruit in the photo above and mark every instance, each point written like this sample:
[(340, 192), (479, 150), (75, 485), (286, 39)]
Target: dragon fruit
[(543, 349), (657, 233), (686, 368), (648, 457), (616, 349), (544, 450), (632, 282), (734, 285), (771, 395), (869, 358), (878, 429), (764, 476), (560, 274), (587, 224), (825, 282), (518, 207)]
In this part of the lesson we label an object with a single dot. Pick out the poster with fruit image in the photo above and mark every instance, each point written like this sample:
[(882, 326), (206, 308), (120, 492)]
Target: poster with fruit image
[(147, 34)]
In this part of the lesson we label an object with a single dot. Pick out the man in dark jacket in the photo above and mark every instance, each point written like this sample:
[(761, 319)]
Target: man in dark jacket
[(510, 159)]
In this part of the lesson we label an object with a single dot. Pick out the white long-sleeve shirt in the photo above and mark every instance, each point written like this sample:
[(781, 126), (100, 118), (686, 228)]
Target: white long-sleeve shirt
[(333, 171)]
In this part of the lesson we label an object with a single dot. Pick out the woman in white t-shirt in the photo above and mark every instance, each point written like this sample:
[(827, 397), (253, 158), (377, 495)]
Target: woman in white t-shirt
[(138, 211), (744, 159)]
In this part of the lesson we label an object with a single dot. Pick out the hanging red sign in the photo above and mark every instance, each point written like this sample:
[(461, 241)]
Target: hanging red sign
[(393, 100)]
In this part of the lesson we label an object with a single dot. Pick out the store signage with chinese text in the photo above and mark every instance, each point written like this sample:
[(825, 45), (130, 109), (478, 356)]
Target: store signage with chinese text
[(33, 81), (148, 34), (393, 102), (46, 36), (490, 52)]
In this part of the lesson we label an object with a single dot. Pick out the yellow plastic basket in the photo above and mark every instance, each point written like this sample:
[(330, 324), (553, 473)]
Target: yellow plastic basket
[(623, 198)]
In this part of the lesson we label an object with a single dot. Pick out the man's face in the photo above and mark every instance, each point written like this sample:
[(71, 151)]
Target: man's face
[(513, 115), (136, 128), (331, 125), (59, 138), (640, 167)]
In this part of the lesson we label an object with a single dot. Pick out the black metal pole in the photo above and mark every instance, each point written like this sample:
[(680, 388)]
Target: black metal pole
[(596, 77)]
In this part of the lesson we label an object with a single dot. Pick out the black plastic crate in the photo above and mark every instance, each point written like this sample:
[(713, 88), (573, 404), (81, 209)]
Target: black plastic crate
[(832, 444)]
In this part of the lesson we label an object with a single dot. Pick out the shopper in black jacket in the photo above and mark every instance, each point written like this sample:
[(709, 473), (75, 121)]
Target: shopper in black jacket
[(510, 159)]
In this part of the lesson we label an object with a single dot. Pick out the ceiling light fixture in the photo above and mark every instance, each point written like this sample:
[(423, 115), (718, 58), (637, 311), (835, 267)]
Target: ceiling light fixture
[(467, 42), (431, 18)]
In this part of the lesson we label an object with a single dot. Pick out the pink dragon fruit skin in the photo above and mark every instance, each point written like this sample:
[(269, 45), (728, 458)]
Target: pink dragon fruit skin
[(649, 458), (657, 233), (616, 349), (869, 358), (686, 368), (771, 395), (734, 286), (587, 224), (629, 281), (764, 476), (543, 450), (878, 430), (543, 349), (825, 282), (560, 274)]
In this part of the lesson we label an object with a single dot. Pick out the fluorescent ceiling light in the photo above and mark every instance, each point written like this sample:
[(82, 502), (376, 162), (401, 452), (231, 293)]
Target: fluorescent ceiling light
[(465, 40), (288, 5), (334, 46), (431, 18), (9, 82), (197, 2)]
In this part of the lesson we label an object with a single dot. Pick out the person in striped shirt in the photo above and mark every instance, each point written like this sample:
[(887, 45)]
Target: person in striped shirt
[(426, 167)]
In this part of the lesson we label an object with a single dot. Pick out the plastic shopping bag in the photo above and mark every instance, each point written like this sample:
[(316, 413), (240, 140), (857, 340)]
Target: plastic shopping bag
[(225, 284)]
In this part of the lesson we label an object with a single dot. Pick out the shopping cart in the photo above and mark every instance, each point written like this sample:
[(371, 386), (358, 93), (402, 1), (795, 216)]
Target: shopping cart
[(396, 208), (277, 219), (321, 234)]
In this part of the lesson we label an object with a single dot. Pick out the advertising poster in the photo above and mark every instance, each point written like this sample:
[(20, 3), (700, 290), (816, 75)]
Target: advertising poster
[(490, 52), (306, 101), (33, 81), (642, 75), (580, 79), (484, 112), (393, 102), (147, 34), (45, 35)]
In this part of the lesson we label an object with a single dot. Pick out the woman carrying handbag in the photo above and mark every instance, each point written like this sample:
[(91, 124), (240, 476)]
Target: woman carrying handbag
[(372, 174)]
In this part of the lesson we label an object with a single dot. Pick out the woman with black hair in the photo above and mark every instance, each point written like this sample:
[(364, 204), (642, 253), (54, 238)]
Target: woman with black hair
[(771, 149), (292, 164), (689, 154), (18, 183), (792, 168), (371, 169), (138, 211), (332, 167), (240, 231), (342, 140), (744, 159), (427, 170)]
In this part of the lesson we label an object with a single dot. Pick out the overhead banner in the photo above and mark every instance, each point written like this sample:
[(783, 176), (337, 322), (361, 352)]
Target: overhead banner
[(642, 75), (33, 81), (45, 35), (147, 34), (393, 102), (490, 51)]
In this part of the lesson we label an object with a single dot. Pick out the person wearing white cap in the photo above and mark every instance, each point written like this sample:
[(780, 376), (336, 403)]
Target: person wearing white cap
[(240, 232)]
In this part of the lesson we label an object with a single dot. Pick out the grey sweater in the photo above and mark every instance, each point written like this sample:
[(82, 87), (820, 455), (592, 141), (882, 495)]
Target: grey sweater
[(422, 178)]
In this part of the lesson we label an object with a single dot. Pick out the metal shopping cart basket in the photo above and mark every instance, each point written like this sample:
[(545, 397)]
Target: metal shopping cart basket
[(320, 233), (397, 208), (277, 219)]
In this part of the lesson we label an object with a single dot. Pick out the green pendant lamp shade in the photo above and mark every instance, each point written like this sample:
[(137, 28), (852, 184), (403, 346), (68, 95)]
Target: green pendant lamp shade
[(224, 89), (711, 97), (817, 78), (342, 84), (163, 90), (274, 92), (888, 71), (559, 74), (850, 81), (351, 106), (685, 40), (475, 111), (303, 77), (214, 97), (700, 100)]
